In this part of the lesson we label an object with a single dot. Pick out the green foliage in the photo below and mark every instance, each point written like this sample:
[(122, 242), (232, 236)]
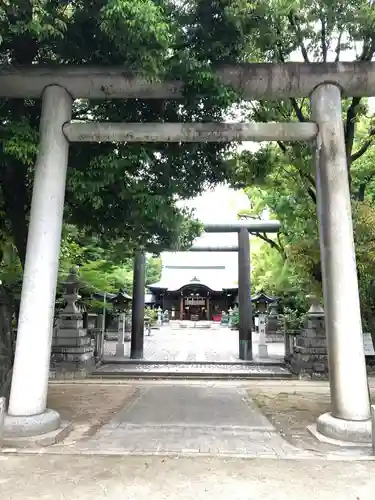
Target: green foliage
[(151, 316), (153, 270), (310, 27), (120, 192), (289, 266), (294, 320), (124, 23), (101, 269), (279, 179), (235, 319)]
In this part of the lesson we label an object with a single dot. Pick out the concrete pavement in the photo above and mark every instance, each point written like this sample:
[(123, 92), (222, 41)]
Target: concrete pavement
[(141, 478), (190, 419)]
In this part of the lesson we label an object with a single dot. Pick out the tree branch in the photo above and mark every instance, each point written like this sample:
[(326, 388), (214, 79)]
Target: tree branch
[(350, 128), (297, 110), (361, 191), (282, 146), (13, 180), (362, 150), (338, 47), (272, 243), (362, 187), (294, 23), (279, 242), (323, 39), (312, 194), (303, 175), (310, 189), (263, 236), (368, 49), (366, 55)]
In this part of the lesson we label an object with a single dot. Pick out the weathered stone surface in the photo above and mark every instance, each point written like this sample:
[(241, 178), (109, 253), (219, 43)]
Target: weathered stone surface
[(36, 441), (71, 341), (310, 350), (70, 332), (311, 342), (75, 349), (69, 322), (2, 417), (19, 426)]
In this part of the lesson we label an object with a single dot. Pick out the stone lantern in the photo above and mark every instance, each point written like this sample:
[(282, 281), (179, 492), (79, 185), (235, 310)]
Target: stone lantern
[(160, 316), (275, 329), (309, 357), (166, 316), (71, 346), (316, 308), (261, 301), (273, 308), (120, 303)]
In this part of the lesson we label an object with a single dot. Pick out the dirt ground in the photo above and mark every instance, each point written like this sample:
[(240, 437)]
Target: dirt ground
[(291, 412), (289, 407), (91, 405)]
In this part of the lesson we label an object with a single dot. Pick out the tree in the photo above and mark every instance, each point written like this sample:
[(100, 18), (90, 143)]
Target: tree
[(277, 276), (153, 270), (118, 191), (101, 269), (284, 196), (316, 32), (281, 178)]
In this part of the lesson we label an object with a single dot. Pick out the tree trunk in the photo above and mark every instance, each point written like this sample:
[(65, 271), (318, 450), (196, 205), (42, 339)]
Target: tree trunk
[(7, 342), (14, 189)]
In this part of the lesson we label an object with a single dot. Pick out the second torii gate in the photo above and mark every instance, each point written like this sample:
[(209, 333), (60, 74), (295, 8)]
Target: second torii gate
[(244, 286)]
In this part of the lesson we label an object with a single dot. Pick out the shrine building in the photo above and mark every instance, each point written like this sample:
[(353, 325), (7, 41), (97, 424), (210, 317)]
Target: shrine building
[(194, 292)]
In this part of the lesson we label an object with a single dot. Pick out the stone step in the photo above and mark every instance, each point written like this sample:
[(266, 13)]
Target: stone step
[(191, 371)]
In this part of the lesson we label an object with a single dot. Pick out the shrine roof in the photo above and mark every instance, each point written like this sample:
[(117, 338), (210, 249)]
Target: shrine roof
[(215, 278), (262, 297)]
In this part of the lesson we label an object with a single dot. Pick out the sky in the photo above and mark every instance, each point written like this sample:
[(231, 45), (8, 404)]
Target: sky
[(219, 205)]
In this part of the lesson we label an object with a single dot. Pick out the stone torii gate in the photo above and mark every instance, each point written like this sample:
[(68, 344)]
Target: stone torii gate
[(244, 286), (245, 347), (324, 83)]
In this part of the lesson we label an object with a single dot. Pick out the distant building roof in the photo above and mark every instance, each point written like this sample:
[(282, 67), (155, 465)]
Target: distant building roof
[(173, 278), (262, 297)]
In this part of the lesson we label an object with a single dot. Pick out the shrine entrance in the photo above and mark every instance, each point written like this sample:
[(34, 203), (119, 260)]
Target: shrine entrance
[(195, 304), (323, 83)]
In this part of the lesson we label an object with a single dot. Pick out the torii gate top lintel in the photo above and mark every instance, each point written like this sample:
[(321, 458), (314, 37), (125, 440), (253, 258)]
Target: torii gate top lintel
[(255, 80), (254, 226)]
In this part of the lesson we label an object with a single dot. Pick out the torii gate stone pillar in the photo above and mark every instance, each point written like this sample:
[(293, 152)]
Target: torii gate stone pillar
[(27, 414), (349, 419)]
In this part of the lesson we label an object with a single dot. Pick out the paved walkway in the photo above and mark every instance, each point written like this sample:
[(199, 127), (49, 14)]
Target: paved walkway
[(186, 371), (161, 478), (196, 419), (195, 344)]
